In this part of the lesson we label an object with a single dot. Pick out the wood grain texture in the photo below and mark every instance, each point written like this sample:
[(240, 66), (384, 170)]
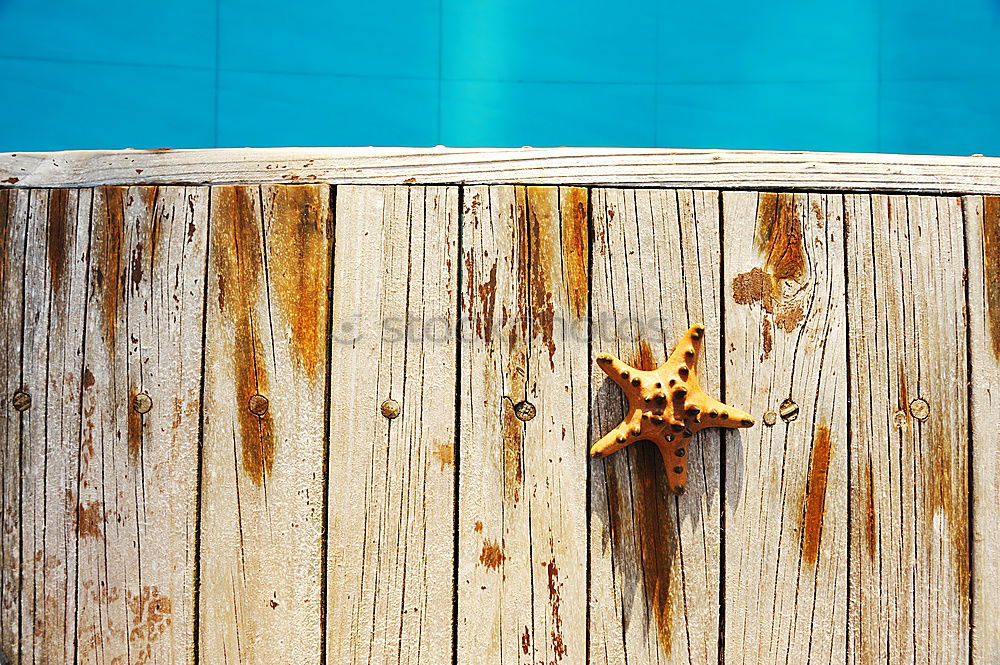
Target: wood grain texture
[(786, 484), (392, 481), (56, 261), (654, 572), (982, 228), (749, 169), (137, 480), (13, 428), (264, 425), (522, 577), (909, 502)]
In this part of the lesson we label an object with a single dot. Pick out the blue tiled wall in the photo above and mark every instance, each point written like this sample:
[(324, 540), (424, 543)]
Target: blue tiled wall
[(911, 76)]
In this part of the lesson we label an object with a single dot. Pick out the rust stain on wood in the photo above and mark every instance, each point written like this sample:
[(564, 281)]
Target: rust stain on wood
[(779, 235), (90, 520), (57, 225), (150, 614), (444, 453), (947, 493), (575, 238), (513, 475), (543, 267), (478, 528), (487, 304), (991, 267), (754, 286), (643, 358), (767, 340), (815, 508), (108, 272), (525, 641), (492, 555), (657, 535), (298, 265), (870, 514), (135, 425), (555, 602), (236, 247), (789, 317)]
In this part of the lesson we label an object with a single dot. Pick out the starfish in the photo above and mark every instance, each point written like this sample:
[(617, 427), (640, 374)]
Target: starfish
[(666, 406)]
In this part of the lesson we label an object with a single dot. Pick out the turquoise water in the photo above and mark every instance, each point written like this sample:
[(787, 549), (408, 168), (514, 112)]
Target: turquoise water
[(893, 76)]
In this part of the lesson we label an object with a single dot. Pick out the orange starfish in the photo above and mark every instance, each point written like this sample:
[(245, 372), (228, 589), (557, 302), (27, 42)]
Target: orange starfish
[(666, 406)]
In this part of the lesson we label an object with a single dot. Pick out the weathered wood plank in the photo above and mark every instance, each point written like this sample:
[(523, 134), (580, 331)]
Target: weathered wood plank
[(264, 429), (522, 578), (786, 484), (813, 171), (392, 479), (982, 227), (13, 234), (138, 457), (909, 501), (56, 258), (654, 594)]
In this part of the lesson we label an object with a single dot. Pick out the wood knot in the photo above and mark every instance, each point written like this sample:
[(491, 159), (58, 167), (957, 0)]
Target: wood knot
[(390, 408), (142, 403), (257, 404), (920, 409), (21, 401), (524, 410), (788, 410)]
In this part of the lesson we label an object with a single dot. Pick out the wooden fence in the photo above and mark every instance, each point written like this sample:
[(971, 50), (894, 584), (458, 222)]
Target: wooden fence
[(334, 406)]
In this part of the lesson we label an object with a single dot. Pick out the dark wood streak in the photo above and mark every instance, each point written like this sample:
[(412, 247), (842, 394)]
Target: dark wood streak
[(870, 517), (650, 521), (543, 267), (575, 234), (815, 500), (779, 235), (238, 258), (991, 267), (135, 426), (57, 224), (109, 275), (299, 244)]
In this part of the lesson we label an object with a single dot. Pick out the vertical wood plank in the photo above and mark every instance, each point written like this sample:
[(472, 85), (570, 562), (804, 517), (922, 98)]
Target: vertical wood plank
[(982, 226), (654, 595), (56, 258), (264, 429), (14, 215), (786, 484), (137, 482), (909, 531), (522, 575), (392, 467)]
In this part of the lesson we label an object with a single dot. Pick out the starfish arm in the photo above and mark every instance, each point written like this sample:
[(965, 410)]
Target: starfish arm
[(688, 350), (612, 442), (619, 372), (674, 465), (716, 414)]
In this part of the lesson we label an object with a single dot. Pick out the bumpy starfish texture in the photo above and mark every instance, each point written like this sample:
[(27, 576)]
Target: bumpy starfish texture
[(666, 406)]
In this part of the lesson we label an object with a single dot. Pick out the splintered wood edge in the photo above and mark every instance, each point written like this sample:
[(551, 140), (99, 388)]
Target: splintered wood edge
[(812, 171)]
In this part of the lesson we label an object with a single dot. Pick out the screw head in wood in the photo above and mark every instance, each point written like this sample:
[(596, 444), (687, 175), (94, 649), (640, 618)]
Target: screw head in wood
[(770, 417), (257, 404), (524, 410), (142, 403), (20, 400), (788, 410), (920, 409), (390, 408)]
